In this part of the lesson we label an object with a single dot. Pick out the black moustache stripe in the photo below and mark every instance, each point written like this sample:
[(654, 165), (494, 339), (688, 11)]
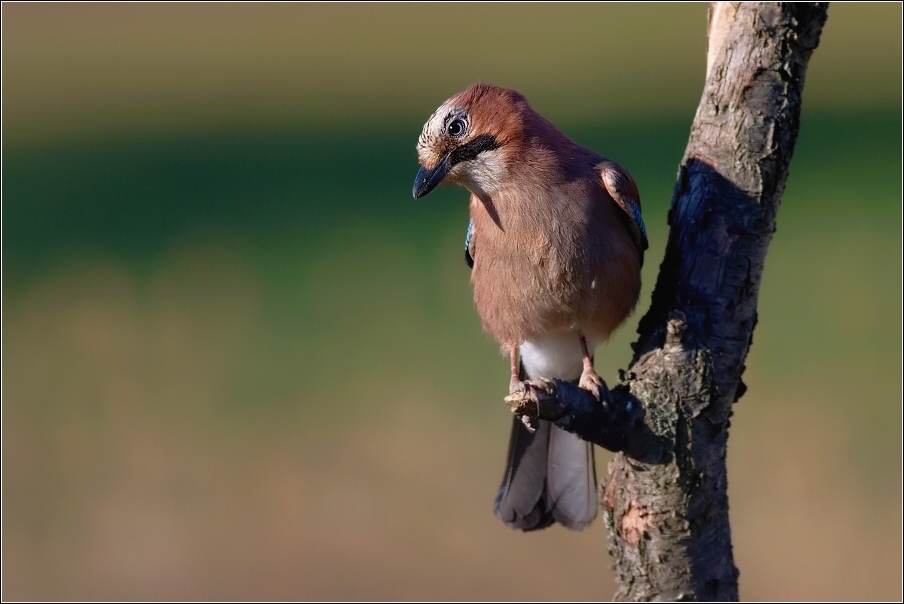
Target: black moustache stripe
[(484, 142)]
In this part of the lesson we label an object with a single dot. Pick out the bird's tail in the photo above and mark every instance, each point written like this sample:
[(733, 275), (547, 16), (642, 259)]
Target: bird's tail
[(549, 477)]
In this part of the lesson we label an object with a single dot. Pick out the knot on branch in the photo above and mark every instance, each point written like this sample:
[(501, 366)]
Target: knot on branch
[(674, 330)]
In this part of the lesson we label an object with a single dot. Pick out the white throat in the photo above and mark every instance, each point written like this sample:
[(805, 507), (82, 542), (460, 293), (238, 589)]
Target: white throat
[(481, 175)]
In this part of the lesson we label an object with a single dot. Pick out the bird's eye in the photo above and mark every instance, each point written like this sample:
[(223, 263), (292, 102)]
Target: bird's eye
[(456, 128)]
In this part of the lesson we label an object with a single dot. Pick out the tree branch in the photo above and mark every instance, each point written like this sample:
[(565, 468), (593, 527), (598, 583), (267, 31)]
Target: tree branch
[(665, 498)]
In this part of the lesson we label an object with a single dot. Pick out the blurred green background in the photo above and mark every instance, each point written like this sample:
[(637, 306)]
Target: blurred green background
[(239, 361)]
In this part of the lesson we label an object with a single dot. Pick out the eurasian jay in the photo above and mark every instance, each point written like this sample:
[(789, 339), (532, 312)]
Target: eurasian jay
[(556, 243)]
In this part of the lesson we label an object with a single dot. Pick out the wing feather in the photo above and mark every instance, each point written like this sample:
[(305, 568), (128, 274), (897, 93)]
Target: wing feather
[(622, 188), (469, 245)]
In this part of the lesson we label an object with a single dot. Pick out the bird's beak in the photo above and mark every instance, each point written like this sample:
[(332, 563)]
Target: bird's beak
[(426, 179)]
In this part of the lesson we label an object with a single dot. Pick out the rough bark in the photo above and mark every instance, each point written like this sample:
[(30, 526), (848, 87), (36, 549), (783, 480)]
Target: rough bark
[(665, 498), (666, 506)]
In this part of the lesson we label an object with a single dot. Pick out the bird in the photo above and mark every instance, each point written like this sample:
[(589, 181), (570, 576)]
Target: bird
[(555, 243)]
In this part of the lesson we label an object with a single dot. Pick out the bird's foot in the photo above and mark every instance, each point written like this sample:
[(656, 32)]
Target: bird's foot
[(519, 398), (533, 399), (595, 385), (518, 387)]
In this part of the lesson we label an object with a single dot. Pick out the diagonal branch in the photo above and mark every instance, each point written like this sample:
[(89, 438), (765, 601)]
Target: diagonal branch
[(665, 498)]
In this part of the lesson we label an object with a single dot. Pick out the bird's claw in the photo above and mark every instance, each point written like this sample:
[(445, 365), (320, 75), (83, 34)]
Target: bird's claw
[(595, 385), (518, 388), (532, 399), (518, 398)]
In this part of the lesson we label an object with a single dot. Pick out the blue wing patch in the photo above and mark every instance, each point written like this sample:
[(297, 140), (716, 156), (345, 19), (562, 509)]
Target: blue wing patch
[(468, 258), (621, 187), (638, 220)]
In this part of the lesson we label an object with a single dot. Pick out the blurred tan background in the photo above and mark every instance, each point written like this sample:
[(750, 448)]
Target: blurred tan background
[(239, 361)]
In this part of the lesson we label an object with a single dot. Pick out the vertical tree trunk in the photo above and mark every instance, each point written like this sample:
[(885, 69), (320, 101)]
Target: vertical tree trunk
[(665, 498)]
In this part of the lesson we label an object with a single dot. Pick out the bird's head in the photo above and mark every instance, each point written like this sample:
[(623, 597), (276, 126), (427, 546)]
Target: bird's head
[(468, 140)]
